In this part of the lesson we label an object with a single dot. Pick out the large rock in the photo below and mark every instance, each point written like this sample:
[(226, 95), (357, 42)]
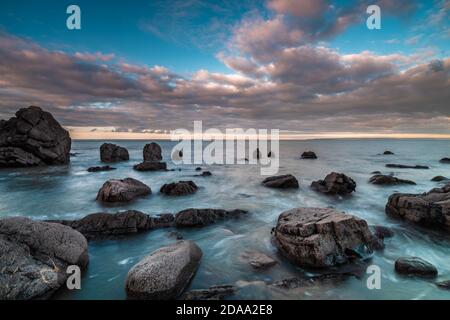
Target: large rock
[(150, 166), (34, 257), (429, 209), (123, 190), (414, 266), (287, 181), (403, 166), (32, 138), (110, 152), (319, 237), (202, 217), (388, 180), (335, 183), (165, 273), (152, 152), (180, 188), (309, 155)]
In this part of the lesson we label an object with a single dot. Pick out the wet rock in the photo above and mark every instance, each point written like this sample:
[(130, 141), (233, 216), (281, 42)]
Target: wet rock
[(259, 260), (286, 181), (445, 160), (402, 166), (335, 183), (198, 169), (415, 266), (428, 209), (123, 190), (150, 166), (180, 188), (205, 174), (34, 257), (33, 138), (388, 180), (376, 172), (444, 284), (152, 152), (175, 235), (439, 179), (212, 293), (322, 279), (102, 168), (387, 152), (382, 232), (202, 217), (309, 155), (319, 237), (110, 152), (165, 273)]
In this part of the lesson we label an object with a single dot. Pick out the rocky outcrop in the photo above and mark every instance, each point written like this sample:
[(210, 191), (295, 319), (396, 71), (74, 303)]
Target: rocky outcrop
[(445, 160), (165, 273), (152, 152), (258, 260), (150, 166), (439, 179), (309, 155), (33, 138), (286, 181), (212, 293), (388, 180), (202, 217), (335, 183), (101, 168), (123, 190), (110, 152), (319, 237), (429, 209), (402, 166), (34, 257), (180, 188), (414, 266)]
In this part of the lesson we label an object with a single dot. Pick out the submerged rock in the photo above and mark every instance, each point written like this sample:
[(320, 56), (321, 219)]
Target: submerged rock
[(286, 181), (110, 152), (34, 257), (202, 217), (309, 155), (402, 166), (439, 179), (123, 190), (33, 138), (212, 293), (415, 266), (259, 260), (385, 179), (165, 273), (150, 166), (294, 283), (180, 188), (152, 152), (102, 168), (445, 160), (335, 183)]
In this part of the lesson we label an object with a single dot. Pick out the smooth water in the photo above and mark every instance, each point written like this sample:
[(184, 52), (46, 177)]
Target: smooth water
[(68, 192)]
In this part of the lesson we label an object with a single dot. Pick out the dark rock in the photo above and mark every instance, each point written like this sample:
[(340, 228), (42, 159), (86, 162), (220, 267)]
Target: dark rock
[(198, 169), (309, 155), (376, 172), (387, 152), (439, 179), (322, 279), (259, 260), (269, 154), (102, 168), (444, 284), (445, 160), (212, 293), (152, 152), (124, 190), (150, 166), (402, 166), (33, 138), (319, 237), (175, 234), (110, 152), (165, 273), (287, 181), (202, 217), (385, 179), (335, 183), (382, 232), (179, 188), (34, 257), (205, 174), (414, 266)]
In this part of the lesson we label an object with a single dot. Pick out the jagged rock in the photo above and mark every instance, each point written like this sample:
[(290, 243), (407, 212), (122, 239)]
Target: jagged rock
[(152, 152), (110, 152), (387, 152), (124, 190), (259, 260), (202, 217), (319, 237), (165, 273), (150, 166), (445, 160), (309, 155), (335, 183), (287, 181), (179, 188), (33, 138), (212, 293), (439, 179), (34, 257), (429, 209), (415, 266), (385, 179), (102, 168), (402, 166)]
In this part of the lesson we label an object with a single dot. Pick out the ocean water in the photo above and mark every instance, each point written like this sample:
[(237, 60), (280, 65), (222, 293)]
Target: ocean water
[(68, 192)]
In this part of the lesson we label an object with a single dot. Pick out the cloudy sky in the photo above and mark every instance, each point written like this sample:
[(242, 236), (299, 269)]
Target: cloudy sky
[(307, 67)]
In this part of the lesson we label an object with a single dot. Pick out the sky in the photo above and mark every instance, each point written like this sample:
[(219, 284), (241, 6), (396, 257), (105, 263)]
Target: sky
[(310, 68)]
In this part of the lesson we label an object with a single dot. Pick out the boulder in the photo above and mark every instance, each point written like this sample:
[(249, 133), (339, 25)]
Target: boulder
[(445, 160), (321, 237), (33, 138), (179, 188), (202, 217), (102, 168), (439, 179), (110, 152), (430, 209), (309, 155), (165, 273), (123, 190), (414, 266), (212, 293), (335, 183), (152, 152), (150, 166), (388, 180), (34, 257), (287, 181), (402, 166), (259, 260)]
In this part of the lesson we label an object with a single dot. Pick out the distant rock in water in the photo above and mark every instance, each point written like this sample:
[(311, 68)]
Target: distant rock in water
[(445, 160), (180, 188), (152, 152), (387, 152), (439, 179), (150, 166), (376, 172), (102, 168), (388, 180), (212, 293), (335, 183), (309, 155), (205, 174), (402, 166), (124, 190), (110, 152), (445, 284), (287, 181), (414, 266), (202, 217), (33, 138), (198, 169)]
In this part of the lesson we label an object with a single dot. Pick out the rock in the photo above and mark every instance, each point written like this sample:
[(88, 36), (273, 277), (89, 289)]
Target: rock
[(287, 181), (439, 179), (382, 232), (165, 273), (322, 279), (112, 153), (269, 154), (198, 169), (335, 183), (385, 179), (259, 260), (430, 209), (33, 138), (319, 237), (124, 190), (387, 152), (152, 152), (444, 284), (205, 174), (376, 172), (402, 166), (202, 217), (445, 160), (175, 234), (150, 166), (309, 155), (212, 293), (102, 168), (34, 257), (415, 266), (179, 188)]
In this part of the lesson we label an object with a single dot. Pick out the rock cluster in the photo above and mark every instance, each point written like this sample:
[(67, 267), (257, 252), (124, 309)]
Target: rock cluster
[(335, 183)]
